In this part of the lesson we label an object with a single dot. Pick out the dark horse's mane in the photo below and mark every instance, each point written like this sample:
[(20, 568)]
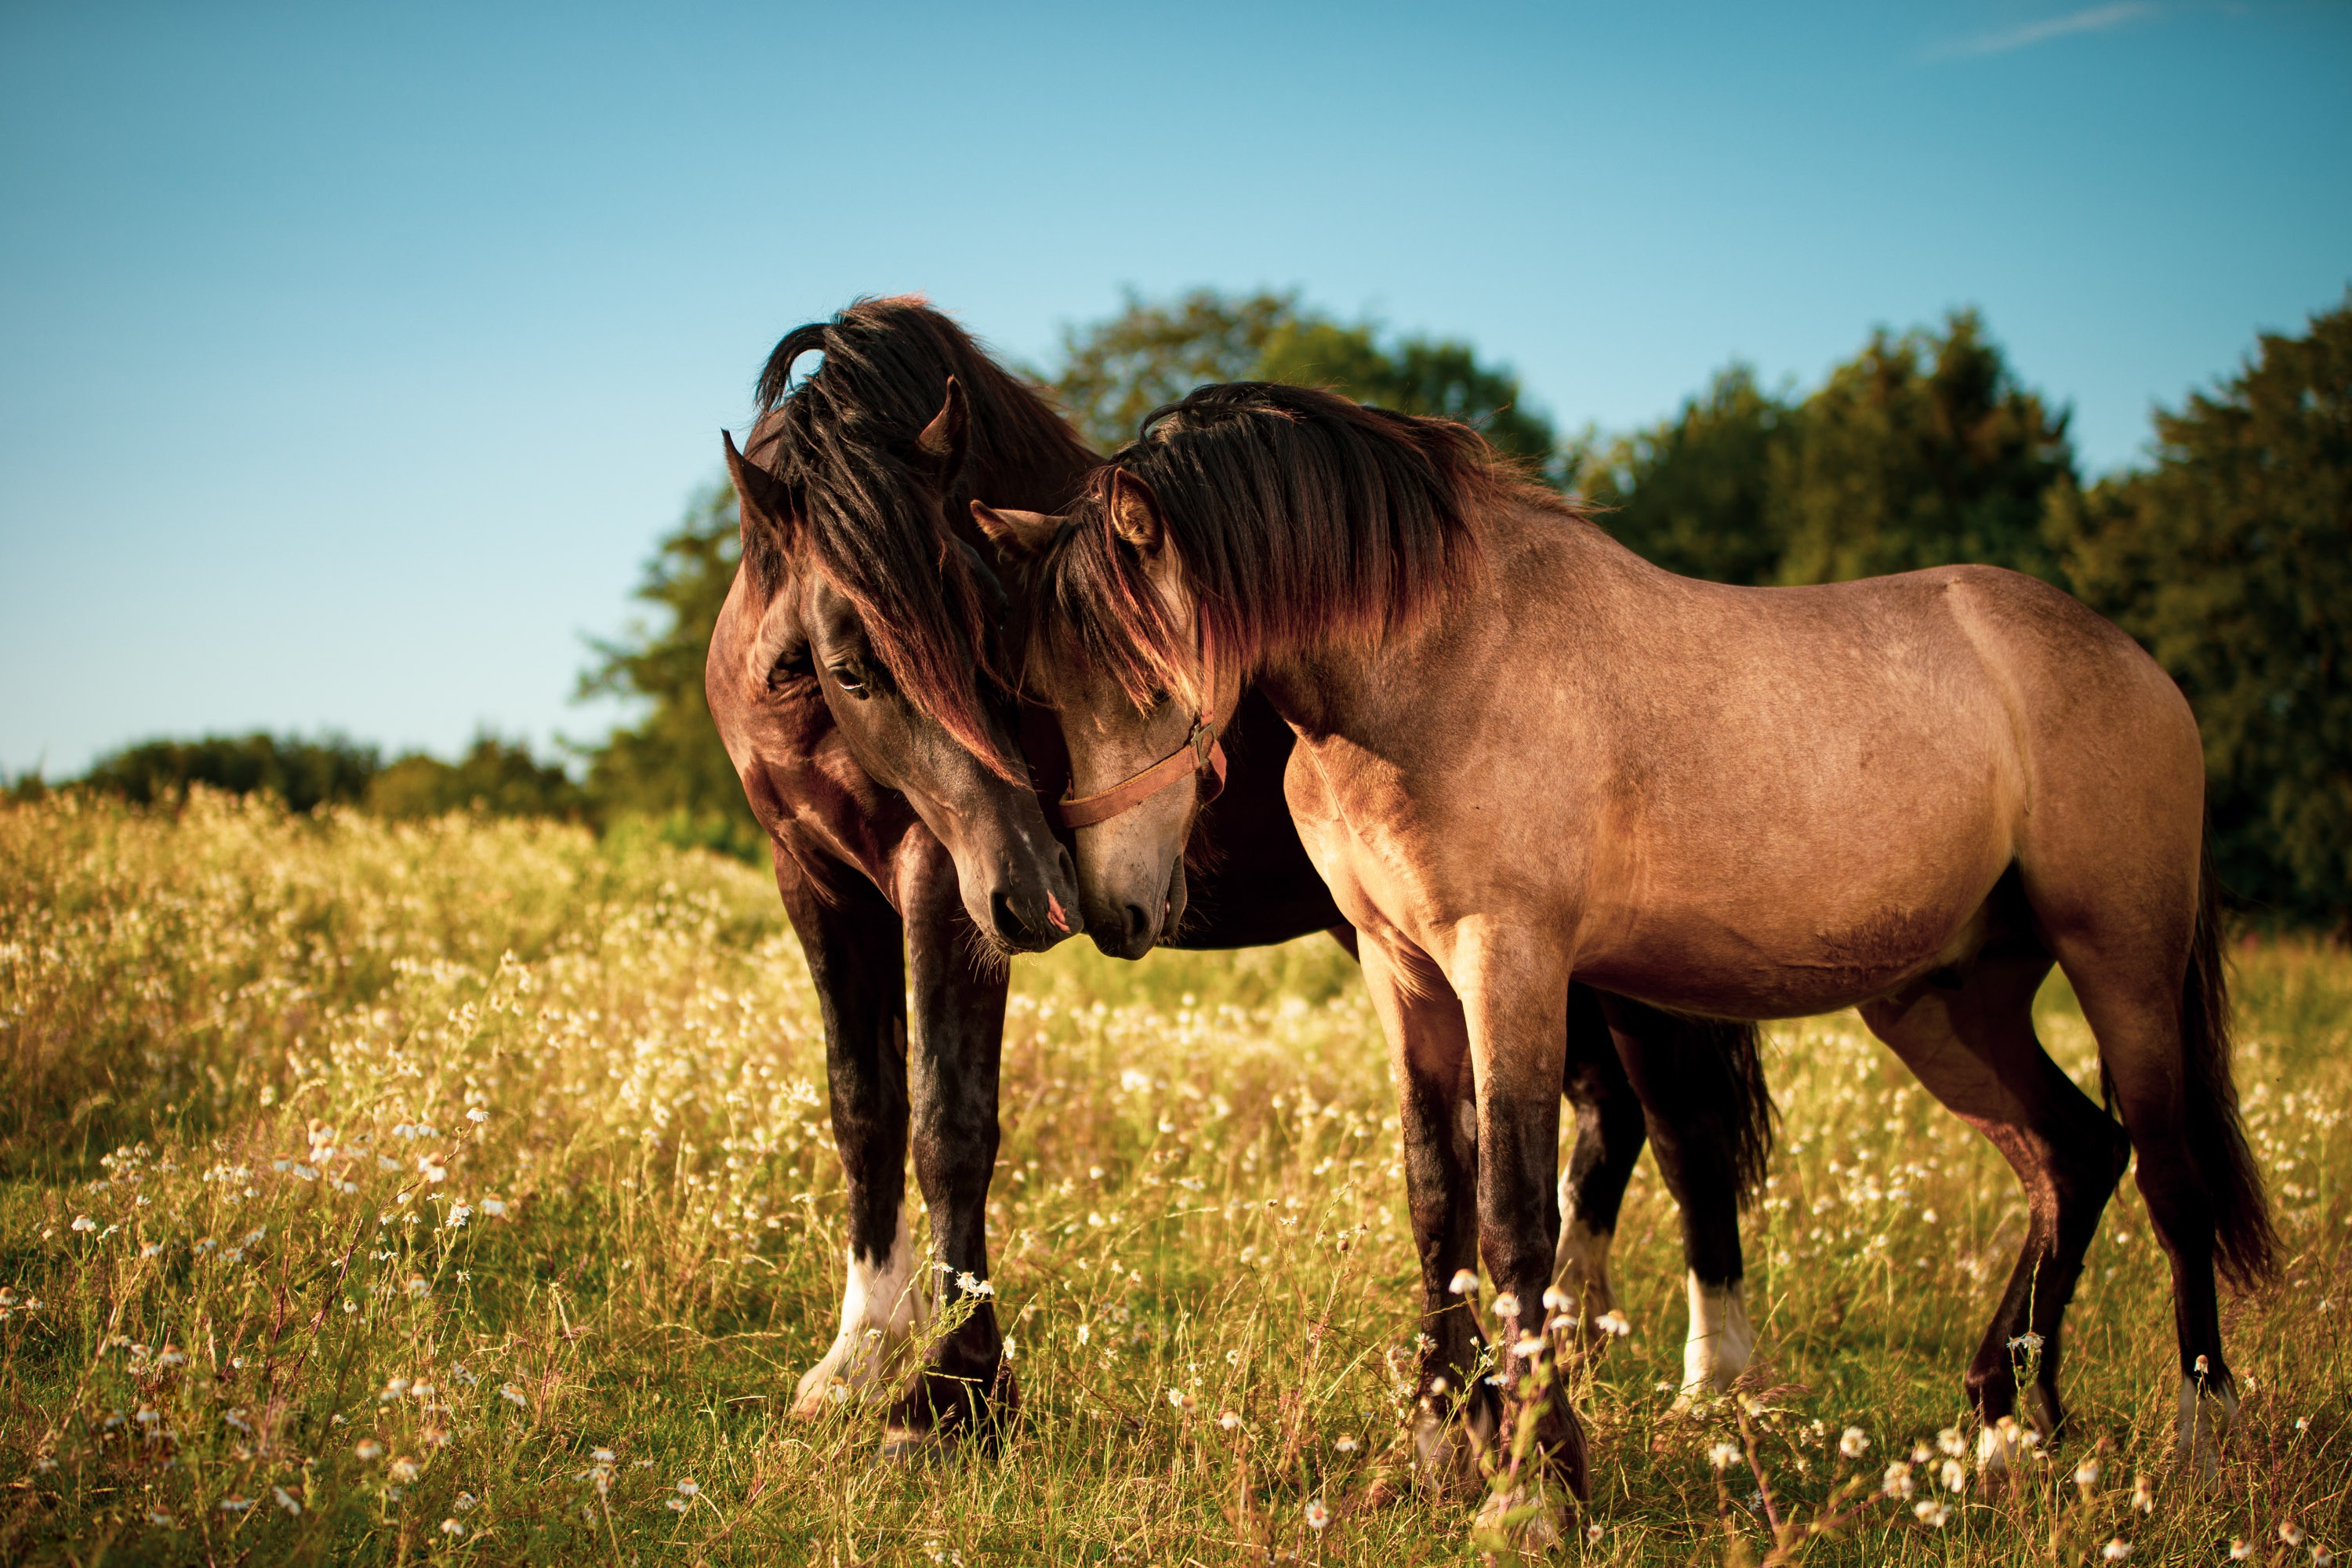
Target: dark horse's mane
[(843, 445), (1299, 517)]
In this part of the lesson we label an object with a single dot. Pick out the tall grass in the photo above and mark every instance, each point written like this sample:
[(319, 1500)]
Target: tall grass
[(385, 1193)]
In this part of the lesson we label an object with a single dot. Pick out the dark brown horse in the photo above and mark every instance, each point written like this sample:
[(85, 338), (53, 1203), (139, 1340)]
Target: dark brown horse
[(850, 676), (1526, 756)]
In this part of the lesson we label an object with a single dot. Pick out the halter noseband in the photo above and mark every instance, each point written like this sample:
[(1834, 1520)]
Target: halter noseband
[(1200, 755)]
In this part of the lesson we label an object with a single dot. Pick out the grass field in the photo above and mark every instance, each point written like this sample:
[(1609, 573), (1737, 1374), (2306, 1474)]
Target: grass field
[(463, 1192)]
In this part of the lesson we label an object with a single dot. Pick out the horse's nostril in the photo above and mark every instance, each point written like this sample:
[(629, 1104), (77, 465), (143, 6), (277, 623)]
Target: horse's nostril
[(1009, 925)]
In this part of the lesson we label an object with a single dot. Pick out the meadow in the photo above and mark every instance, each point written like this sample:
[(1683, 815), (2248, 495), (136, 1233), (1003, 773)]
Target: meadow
[(462, 1191)]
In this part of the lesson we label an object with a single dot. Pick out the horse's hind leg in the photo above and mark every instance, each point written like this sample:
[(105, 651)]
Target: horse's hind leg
[(1610, 1133), (1973, 1047), (2157, 1003)]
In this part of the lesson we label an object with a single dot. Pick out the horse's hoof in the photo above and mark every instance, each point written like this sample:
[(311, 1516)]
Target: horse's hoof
[(902, 1446), (812, 1404), (1522, 1519)]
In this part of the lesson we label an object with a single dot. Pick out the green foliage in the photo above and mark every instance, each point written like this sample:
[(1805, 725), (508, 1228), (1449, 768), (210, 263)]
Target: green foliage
[(2232, 559), (1116, 370), (1419, 376), (670, 768), (494, 776), (1920, 451), (302, 774), (1693, 493)]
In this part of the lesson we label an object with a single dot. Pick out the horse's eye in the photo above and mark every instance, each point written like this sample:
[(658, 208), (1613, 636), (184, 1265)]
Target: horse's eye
[(850, 678), (787, 670)]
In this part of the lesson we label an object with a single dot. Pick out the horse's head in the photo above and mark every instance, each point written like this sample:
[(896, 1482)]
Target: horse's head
[(1142, 734), (794, 635)]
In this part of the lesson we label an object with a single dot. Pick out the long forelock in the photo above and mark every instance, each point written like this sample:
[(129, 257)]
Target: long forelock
[(841, 443)]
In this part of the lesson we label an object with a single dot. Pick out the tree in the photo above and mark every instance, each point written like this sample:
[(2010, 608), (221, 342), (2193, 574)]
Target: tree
[(1116, 370), (670, 767), (2230, 559), (1920, 451), (495, 776), (1692, 492), (1439, 376), (302, 774)]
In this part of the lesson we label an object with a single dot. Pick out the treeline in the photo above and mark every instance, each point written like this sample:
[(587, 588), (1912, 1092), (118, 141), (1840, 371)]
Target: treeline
[(2228, 554), (498, 776)]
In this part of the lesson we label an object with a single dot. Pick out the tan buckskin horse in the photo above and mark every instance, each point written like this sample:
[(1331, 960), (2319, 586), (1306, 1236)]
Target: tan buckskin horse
[(1525, 754)]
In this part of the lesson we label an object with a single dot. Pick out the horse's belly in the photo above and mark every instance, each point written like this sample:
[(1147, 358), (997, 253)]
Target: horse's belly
[(1774, 957)]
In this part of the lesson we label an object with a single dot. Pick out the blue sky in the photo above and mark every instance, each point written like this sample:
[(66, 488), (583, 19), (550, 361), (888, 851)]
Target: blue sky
[(352, 357)]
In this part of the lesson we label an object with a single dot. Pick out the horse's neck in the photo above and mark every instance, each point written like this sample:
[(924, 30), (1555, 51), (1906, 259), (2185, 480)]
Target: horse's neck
[(1534, 564)]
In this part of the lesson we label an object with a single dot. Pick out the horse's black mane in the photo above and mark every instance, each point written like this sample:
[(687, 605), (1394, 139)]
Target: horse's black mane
[(1299, 516), (843, 445)]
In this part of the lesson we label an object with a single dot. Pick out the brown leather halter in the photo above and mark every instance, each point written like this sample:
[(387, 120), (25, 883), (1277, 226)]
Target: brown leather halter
[(1200, 756)]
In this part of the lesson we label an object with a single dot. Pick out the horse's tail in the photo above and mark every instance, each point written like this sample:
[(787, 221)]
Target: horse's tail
[(2247, 1244), (1709, 1074)]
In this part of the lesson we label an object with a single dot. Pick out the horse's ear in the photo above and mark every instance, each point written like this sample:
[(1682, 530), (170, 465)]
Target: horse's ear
[(1134, 513), (765, 506), (943, 440), (1017, 535)]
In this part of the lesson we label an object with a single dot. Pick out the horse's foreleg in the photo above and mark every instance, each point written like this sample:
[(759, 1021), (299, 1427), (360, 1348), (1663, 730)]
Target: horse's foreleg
[(962, 1386), (1974, 1048), (852, 942), (1610, 1133), (1515, 993), (1429, 1054)]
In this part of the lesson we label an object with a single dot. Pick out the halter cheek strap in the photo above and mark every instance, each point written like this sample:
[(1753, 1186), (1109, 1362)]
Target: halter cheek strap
[(1200, 756)]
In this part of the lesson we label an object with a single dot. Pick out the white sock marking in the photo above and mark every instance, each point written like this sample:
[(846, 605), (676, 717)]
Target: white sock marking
[(882, 1305), (2204, 1422), (1721, 1342)]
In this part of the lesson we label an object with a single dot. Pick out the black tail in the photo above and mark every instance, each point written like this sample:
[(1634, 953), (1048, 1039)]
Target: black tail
[(2241, 1217), (1707, 1075)]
